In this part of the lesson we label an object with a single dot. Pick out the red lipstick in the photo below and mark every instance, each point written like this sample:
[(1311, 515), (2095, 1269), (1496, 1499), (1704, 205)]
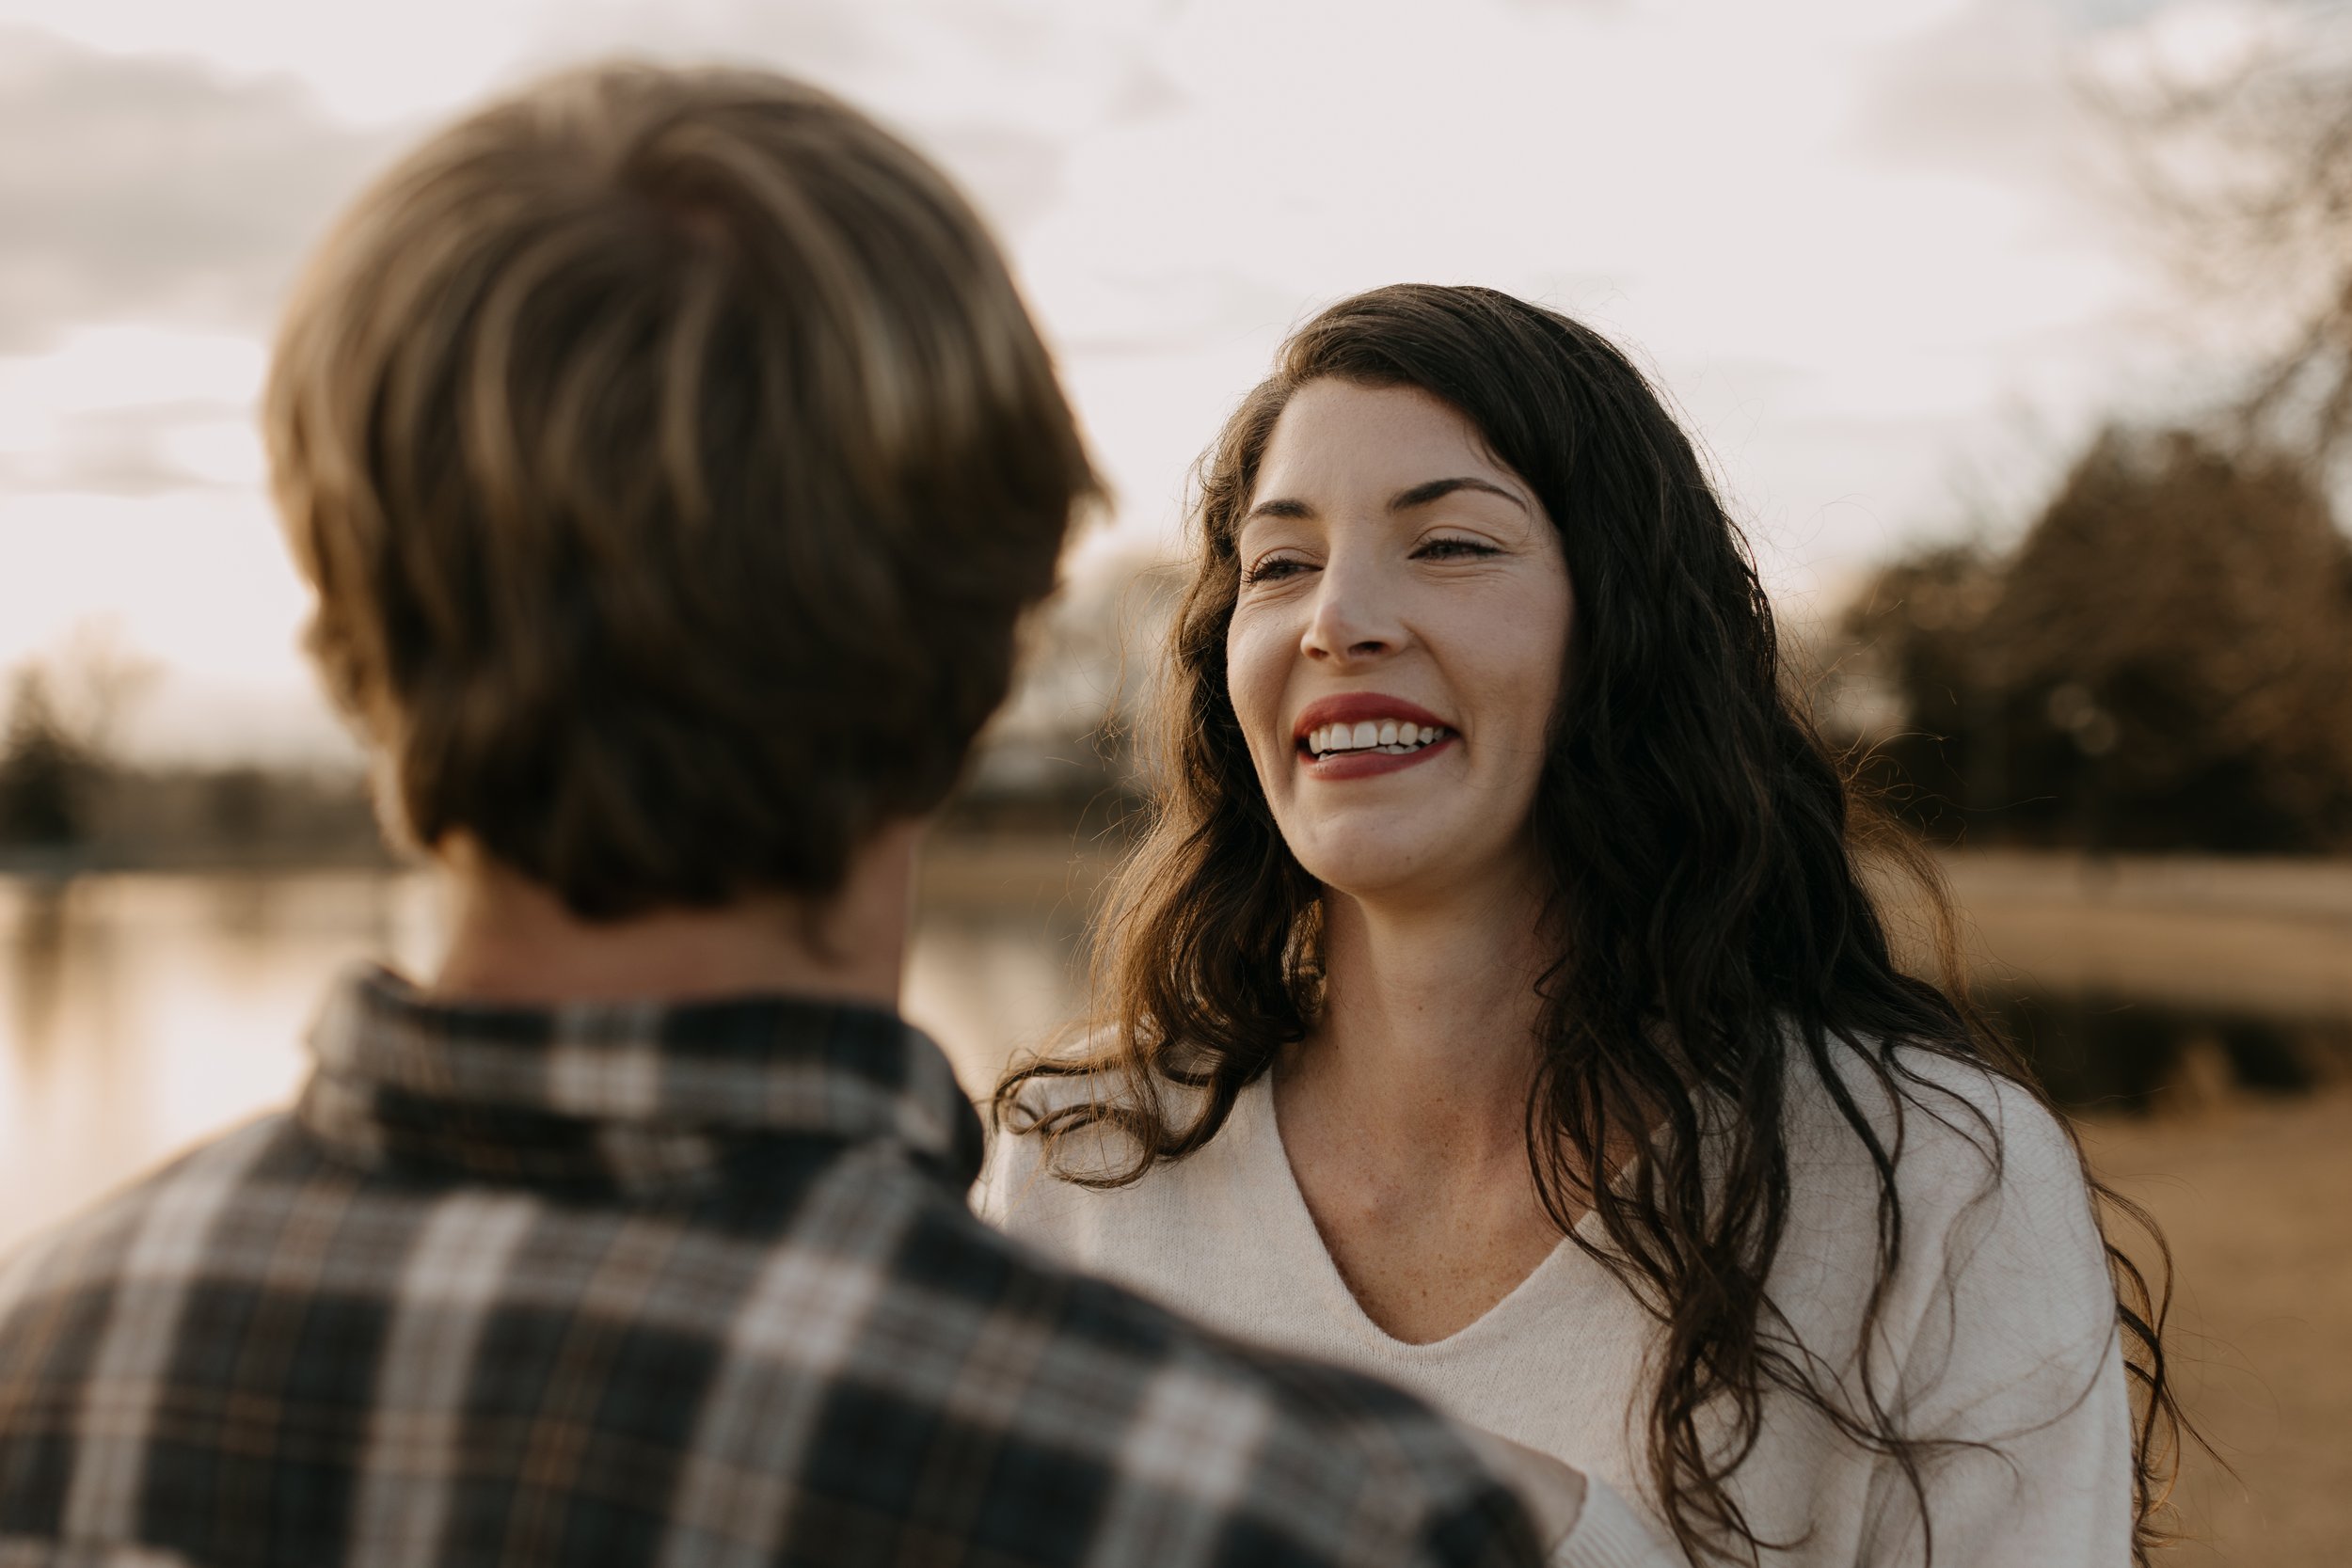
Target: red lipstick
[(1355, 707)]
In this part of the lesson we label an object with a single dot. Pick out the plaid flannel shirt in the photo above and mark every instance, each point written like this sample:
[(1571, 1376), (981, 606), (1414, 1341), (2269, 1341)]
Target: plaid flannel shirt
[(688, 1285)]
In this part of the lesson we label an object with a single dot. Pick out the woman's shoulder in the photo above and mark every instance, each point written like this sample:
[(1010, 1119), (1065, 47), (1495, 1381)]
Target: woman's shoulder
[(1040, 1087), (1063, 1131), (1988, 1178), (2000, 1311), (1946, 1123)]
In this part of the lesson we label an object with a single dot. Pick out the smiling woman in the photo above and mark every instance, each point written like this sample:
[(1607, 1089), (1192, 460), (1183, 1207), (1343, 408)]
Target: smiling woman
[(1496, 1003), (1374, 596)]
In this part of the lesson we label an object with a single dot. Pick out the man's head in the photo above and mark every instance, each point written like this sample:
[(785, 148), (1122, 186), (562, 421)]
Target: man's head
[(672, 459)]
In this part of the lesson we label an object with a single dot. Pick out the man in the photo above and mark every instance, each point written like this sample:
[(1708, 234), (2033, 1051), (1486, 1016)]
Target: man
[(672, 459)]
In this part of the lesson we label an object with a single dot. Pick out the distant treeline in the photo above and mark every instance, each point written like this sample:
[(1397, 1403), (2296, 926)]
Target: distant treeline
[(1053, 763), (2163, 661), (66, 804)]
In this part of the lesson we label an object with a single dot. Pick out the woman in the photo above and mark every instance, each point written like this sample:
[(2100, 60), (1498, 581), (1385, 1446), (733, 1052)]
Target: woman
[(1495, 1004)]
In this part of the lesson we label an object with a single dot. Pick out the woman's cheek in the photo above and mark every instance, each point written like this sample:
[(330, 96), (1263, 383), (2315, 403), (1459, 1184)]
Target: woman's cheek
[(1251, 686)]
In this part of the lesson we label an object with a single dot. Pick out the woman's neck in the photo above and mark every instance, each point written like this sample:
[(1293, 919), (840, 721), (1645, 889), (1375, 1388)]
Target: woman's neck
[(1428, 1034), (1404, 1114)]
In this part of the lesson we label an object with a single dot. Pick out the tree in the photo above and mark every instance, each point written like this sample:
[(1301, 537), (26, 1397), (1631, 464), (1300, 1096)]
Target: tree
[(2166, 658), (2244, 163), (1916, 630), (43, 771), (2165, 661)]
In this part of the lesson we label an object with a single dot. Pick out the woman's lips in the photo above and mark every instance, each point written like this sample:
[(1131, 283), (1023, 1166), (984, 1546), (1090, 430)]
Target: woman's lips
[(1354, 706), (1363, 765)]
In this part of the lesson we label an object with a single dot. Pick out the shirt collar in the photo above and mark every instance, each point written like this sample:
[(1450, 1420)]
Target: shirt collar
[(630, 1093)]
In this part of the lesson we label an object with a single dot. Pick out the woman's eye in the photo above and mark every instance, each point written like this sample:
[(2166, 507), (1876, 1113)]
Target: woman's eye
[(1271, 568), (1454, 549)]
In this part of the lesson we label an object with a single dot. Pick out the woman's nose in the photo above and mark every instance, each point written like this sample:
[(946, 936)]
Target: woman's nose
[(1353, 617)]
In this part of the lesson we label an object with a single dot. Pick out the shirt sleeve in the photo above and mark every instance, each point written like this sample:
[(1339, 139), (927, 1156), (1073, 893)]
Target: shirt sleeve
[(2015, 1361)]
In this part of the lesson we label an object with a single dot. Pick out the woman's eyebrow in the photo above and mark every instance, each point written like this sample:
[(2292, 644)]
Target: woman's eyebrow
[(1430, 490), (1278, 506), (1403, 501)]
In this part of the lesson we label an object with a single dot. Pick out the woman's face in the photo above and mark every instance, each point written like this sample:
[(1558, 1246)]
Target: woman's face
[(1396, 651)]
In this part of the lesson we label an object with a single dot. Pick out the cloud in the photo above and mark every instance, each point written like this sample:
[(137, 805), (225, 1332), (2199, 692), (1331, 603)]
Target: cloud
[(128, 410), (2016, 90), (2107, 14), (146, 450), (998, 91), (155, 189), (1987, 94)]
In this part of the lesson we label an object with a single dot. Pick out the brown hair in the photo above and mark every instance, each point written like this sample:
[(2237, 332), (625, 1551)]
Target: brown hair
[(672, 459), (1701, 847)]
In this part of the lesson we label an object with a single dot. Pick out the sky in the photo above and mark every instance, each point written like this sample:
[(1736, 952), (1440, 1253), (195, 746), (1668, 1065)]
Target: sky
[(1875, 251)]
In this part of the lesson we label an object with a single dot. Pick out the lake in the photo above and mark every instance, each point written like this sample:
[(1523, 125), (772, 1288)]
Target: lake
[(139, 1013)]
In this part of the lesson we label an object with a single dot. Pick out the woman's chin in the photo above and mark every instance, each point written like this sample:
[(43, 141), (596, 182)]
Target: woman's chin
[(1389, 868), (1427, 856)]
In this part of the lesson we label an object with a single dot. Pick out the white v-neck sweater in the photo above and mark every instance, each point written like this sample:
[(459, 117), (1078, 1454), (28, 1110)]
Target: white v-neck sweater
[(1998, 1328)]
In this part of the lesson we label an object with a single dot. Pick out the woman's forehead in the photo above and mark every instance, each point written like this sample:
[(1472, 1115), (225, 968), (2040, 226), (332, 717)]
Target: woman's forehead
[(1335, 437)]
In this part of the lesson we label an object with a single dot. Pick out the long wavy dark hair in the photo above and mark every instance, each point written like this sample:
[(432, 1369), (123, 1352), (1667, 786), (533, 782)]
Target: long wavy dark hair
[(1703, 850)]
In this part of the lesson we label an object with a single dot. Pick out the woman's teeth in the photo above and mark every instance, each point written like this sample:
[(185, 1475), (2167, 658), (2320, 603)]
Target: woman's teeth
[(1383, 734)]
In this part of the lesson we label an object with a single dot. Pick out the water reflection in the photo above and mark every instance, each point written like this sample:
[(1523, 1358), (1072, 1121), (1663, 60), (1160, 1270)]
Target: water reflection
[(2101, 1051), (144, 1012), (139, 1013), (35, 969)]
